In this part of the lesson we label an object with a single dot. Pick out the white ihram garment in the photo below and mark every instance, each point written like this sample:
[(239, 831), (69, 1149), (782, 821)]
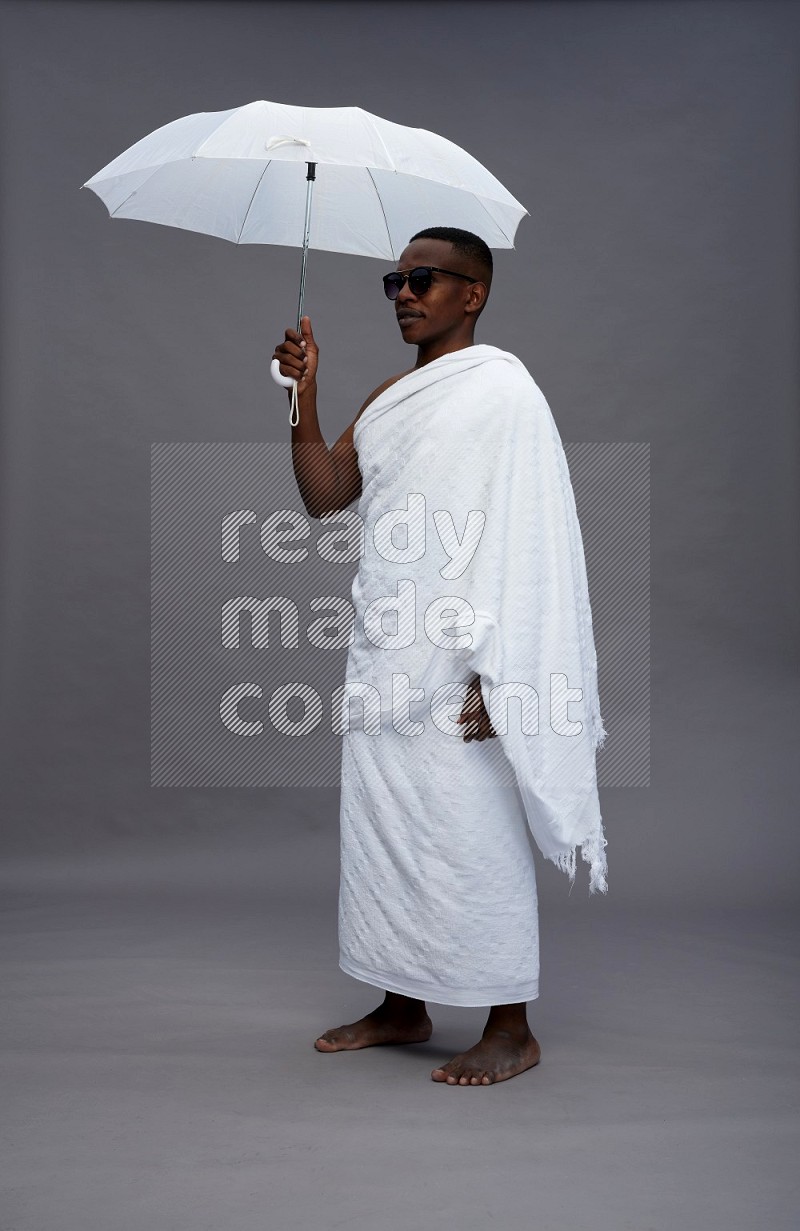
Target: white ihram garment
[(438, 892)]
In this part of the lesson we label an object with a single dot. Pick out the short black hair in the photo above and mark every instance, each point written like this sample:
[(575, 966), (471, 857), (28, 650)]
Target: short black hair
[(471, 246)]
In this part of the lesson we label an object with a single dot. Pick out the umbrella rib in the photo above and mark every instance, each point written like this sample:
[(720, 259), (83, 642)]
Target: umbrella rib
[(383, 211), (252, 199), (135, 190), (494, 221)]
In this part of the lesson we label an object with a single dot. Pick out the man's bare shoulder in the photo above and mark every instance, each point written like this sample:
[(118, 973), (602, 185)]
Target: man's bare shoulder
[(344, 453), (381, 389)]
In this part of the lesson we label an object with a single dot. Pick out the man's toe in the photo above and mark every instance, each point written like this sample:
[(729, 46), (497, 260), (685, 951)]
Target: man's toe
[(331, 1040)]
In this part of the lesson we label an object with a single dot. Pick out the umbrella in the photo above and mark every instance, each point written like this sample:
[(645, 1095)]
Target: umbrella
[(245, 174)]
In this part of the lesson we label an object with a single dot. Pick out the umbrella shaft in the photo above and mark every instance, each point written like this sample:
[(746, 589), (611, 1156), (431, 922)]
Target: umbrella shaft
[(310, 177)]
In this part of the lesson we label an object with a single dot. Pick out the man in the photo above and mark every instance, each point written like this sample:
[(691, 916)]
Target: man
[(455, 915)]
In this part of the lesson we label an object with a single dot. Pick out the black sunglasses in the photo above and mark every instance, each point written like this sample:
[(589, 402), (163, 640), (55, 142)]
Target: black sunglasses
[(419, 280)]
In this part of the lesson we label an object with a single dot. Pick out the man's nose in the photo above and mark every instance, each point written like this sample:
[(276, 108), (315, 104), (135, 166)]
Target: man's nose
[(405, 293)]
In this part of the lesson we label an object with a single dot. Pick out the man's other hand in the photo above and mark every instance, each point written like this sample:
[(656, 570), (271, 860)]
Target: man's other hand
[(475, 715)]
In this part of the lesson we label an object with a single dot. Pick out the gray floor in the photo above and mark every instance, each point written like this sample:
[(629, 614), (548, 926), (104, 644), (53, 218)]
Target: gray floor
[(159, 1072)]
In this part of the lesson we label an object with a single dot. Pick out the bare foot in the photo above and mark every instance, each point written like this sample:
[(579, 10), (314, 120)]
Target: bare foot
[(386, 1024), (499, 1055)]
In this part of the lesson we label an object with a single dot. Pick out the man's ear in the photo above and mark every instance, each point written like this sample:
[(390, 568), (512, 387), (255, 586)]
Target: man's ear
[(476, 297)]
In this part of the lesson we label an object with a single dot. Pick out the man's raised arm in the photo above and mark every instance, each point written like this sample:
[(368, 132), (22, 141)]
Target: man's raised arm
[(328, 479)]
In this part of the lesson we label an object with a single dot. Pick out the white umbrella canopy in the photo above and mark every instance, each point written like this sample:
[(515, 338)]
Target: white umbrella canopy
[(242, 175), (248, 175)]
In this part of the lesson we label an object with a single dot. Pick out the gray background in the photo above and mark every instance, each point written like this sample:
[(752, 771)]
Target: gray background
[(171, 953)]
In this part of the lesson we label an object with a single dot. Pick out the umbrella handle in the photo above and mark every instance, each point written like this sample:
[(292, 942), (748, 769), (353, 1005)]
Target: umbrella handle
[(278, 377), (288, 382)]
